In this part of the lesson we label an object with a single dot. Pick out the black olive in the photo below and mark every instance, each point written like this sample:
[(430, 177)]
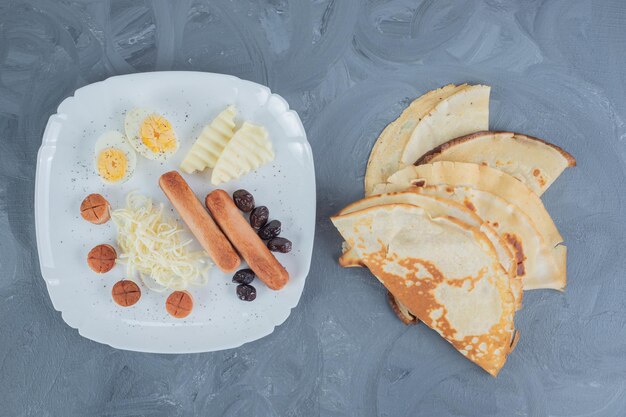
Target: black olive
[(243, 276), (246, 292), (279, 244), (270, 230), (243, 200), (259, 217)]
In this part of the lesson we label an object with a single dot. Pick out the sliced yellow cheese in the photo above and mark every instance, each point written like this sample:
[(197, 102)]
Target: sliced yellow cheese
[(247, 150), (208, 147)]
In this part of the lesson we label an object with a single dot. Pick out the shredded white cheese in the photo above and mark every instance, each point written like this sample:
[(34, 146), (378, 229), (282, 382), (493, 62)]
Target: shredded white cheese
[(152, 247)]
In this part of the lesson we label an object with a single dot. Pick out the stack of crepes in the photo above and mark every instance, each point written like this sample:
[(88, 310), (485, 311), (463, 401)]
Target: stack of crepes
[(452, 222)]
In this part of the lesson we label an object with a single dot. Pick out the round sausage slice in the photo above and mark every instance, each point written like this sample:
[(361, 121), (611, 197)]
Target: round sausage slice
[(101, 259), (95, 209), (125, 293), (179, 304)]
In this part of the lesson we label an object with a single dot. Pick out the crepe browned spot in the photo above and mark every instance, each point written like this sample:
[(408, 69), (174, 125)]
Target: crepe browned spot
[(445, 272), (436, 206)]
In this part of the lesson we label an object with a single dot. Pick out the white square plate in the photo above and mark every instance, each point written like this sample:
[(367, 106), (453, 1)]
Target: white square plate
[(66, 174)]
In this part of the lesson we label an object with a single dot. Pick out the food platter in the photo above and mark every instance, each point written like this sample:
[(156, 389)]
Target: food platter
[(451, 223), (66, 174)]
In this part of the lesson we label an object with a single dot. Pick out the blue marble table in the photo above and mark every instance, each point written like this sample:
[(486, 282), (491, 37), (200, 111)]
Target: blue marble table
[(558, 71)]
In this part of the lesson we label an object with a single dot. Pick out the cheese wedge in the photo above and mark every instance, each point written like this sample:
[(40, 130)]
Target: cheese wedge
[(248, 149), (209, 145), (444, 271)]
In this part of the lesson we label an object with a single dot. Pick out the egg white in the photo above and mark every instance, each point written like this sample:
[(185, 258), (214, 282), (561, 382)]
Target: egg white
[(116, 140), (132, 126)]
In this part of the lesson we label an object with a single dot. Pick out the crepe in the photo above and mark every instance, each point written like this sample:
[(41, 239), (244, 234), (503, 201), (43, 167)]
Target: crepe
[(444, 271), (435, 206), (466, 111), (402, 312), (462, 109), (439, 207), (514, 210), (533, 161)]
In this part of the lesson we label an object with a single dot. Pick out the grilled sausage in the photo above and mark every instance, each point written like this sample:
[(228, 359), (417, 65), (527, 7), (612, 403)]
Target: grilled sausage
[(245, 239), (199, 222)]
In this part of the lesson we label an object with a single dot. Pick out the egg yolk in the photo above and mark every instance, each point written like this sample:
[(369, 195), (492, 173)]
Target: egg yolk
[(157, 134), (112, 164)]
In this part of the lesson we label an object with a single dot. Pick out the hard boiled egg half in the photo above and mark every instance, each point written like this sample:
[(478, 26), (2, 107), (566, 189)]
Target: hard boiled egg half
[(115, 159), (150, 134)]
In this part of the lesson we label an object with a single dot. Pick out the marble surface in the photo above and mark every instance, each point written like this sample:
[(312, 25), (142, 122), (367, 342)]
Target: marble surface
[(348, 67)]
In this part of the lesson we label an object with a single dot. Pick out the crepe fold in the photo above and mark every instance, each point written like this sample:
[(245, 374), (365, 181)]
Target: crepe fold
[(446, 272)]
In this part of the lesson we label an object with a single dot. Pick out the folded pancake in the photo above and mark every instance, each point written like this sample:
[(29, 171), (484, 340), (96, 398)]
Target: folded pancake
[(436, 206), (483, 178), (432, 107), (402, 312), (465, 111), (512, 208), (444, 271), (533, 161)]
